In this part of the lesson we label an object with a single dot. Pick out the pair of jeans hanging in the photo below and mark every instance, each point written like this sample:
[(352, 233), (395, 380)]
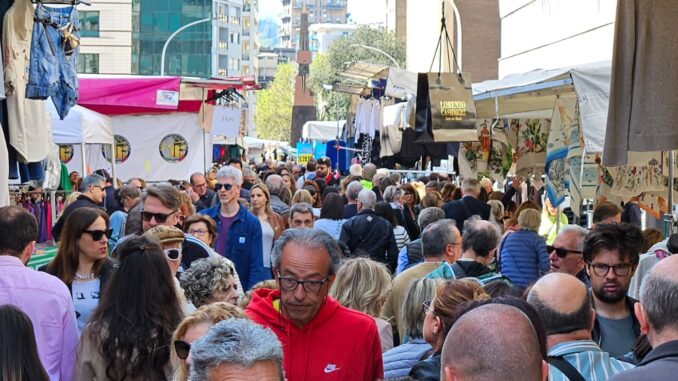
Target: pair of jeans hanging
[(54, 56)]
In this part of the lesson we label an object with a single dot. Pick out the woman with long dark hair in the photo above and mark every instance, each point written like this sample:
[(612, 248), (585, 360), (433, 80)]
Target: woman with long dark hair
[(331, 215), (129, 334), (19, 359), (82, 261), (410, 201)]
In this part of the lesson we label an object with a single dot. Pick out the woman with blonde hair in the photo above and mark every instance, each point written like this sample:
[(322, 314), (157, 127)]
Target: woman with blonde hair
[(272, 224), (497, 214), (431, 200), (523, 254), (363, 285), (193, 327), (440, 315)]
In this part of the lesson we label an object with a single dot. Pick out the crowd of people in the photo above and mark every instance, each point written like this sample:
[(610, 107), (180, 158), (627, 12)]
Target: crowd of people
[(291, 272)]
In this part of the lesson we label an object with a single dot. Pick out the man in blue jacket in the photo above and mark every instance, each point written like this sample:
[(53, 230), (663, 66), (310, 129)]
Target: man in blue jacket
[(239, 231)]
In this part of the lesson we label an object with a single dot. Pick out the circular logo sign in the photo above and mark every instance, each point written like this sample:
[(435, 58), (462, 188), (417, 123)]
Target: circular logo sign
[(173, 148), (65, 153), (122, 149)]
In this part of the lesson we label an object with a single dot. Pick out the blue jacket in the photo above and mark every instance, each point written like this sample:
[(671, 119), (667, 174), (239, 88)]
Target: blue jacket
[(523, 257), (399, 361), (245, 246)]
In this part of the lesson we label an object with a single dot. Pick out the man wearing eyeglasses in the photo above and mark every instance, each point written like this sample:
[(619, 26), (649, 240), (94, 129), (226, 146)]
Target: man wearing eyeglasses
[(321, 340), (92, 195), (565, 255), (200, 193), (239, 236), (611, 256)]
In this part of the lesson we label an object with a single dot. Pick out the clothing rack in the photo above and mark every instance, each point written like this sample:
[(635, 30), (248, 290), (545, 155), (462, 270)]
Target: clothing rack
[(17, 191)]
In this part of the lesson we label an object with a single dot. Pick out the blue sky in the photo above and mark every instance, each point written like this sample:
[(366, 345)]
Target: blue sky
[(362, 11)]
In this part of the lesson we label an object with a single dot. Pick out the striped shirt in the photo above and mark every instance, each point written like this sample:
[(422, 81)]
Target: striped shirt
[(401, 236), (587, 357)]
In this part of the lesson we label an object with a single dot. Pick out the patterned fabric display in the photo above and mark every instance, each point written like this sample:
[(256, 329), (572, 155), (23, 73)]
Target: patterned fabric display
[(475, 158), (529, 138), (557, 170)]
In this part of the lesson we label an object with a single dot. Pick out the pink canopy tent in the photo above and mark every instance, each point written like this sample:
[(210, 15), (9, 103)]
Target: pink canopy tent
[(125, 95)]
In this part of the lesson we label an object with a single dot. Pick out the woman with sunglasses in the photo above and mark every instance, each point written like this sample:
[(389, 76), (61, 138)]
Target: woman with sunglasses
[(82, 261), (195, 326), (129, 335), (410, 202), (440, 314)]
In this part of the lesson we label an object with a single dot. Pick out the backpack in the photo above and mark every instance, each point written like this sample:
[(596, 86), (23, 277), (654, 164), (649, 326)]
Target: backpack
[(483, 279)]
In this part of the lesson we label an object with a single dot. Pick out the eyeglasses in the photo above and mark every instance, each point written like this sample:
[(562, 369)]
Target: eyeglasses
[(160, 218), (218, 186), (291, 284), (199, 232), (426, 305), (173, 254), (408, 193), (601, 269), (98, 186), (97, 235), (182, 348), (560, 252)]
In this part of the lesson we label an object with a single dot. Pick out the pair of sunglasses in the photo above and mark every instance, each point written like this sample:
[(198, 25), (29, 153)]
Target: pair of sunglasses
[(97, 235), (560, 252), (218, 186), (172, 254), (182, 348), (160, 218)]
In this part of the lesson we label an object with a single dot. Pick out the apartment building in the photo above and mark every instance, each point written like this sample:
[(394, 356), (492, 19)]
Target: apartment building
[(319, 11)]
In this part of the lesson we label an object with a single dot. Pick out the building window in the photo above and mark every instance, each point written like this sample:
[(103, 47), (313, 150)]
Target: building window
[(89, 23), (88, 63)]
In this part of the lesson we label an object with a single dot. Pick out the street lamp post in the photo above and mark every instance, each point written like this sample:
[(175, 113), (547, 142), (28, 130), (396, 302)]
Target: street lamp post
[(378, 51), (164, 48)]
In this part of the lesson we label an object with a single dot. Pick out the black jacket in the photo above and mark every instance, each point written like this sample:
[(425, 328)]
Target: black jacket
[(630, 302), (81, 202), (660, 364), (369, 235), (350, 210), (106, 272), (427, 370), (205, 201), (461, 210)]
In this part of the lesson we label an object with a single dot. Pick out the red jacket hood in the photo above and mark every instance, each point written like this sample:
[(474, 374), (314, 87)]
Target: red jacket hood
[(263, 308)]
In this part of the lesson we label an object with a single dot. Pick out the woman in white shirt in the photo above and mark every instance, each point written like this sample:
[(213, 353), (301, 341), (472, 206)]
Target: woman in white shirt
[(272, 224)]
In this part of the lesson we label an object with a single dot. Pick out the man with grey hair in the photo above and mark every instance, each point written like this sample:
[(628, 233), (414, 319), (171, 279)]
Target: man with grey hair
[(369, 170), (237, 349), (301, 215), (441, 244), (352, 191), (478, 248), (320, 338), (239, 236), (657, 313), (492, 342), (564, 306), (91, 196), (275, 186), (566, 254), (369, 235), (469, 205), (413, 253)]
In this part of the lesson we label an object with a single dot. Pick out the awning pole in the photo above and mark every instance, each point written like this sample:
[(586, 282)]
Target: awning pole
[(668, 217), (113, 171), (83, 161)]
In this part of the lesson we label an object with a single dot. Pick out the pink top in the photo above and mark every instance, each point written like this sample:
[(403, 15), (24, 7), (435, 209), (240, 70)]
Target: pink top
[(46, 300)]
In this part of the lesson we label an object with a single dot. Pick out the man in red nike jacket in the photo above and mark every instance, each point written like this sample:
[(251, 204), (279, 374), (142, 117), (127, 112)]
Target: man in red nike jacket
[(321, 339)]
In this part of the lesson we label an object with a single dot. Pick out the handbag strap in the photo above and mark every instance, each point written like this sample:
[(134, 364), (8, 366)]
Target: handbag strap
[(565, 367)]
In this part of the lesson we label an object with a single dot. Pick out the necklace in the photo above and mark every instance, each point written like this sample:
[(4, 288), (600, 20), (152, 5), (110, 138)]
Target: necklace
[(79, 276)]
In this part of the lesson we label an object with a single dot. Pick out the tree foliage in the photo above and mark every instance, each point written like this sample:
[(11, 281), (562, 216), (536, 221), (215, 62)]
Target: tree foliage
[(274, 105), (325, 68)]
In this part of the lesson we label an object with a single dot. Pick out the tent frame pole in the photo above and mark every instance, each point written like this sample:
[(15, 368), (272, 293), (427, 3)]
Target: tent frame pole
[(114, 173), (84, 160), (668, 217)]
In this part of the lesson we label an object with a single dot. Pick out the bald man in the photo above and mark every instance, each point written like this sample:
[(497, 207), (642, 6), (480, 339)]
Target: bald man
[(564, 306), (482, 346), (657, 313)]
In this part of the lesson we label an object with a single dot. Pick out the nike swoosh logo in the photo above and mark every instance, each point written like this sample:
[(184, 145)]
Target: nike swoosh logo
[(330, 370)]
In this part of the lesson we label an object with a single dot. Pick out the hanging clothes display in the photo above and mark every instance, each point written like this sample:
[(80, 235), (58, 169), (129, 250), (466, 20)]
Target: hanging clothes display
[(395, 119), (55, 47), (582, 167), (529, 138), (490, 156), (29, 127), (557, 171), (642, 110)]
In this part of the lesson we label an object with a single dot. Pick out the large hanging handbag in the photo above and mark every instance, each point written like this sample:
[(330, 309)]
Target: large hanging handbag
[(451, 109)]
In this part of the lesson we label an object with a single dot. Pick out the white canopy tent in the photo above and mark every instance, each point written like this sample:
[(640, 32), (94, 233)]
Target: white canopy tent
[(82, 126), (320, 130), (533, 95)]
